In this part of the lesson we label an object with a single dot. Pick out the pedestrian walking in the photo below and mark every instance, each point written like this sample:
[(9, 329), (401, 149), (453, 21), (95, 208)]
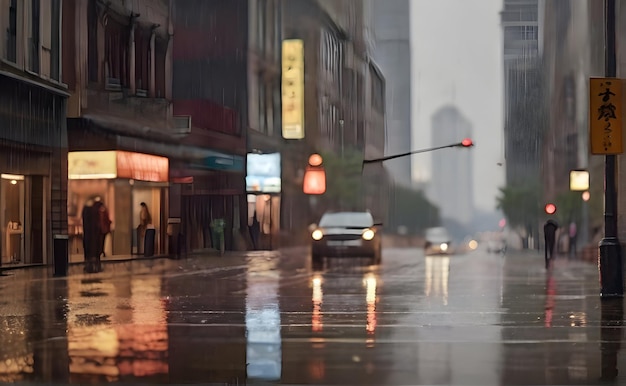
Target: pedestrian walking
[(549, 234), (104, 226), (91, 239), (573, 233), (255, 231)]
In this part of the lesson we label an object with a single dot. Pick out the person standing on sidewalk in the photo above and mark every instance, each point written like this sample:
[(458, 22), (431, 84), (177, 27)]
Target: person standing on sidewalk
[(104, 226), (549, 234), (573, 233), (91, 239), (145, 221)]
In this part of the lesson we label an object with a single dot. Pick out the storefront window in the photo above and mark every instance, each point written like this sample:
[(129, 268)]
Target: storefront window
[(122, 181), (12, 191)]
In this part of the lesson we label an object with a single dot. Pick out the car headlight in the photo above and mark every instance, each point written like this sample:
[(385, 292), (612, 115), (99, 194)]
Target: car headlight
[(317, 234), (444, 247), (368, 234)]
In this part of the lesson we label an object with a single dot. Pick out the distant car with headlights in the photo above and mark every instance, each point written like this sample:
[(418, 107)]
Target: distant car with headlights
[(346, 234), (437, 241)]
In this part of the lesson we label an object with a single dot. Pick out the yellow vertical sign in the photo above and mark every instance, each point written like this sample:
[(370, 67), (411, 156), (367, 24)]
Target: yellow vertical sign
[(605, 116), (293, 89)]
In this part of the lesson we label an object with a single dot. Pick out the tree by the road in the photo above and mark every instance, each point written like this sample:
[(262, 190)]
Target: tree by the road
[(521, 207)]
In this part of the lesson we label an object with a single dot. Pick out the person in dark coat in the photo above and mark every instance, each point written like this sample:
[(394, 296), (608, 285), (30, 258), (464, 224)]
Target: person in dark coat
[(91, 235), (103, 227), (549, 234)]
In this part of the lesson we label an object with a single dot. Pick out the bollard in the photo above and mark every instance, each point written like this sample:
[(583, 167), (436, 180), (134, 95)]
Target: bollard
[(148, 242), (174, 237), (217, 234), (60, 254)]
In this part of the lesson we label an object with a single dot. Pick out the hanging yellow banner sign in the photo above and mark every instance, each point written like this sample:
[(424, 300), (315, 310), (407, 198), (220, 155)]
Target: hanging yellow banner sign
[(293, 89), (605, 116)]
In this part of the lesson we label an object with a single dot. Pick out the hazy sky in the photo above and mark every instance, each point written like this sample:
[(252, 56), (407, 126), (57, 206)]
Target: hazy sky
[(456, 58)]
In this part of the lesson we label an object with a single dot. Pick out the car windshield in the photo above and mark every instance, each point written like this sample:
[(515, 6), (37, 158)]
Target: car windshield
[(347, 219), (437, 234)]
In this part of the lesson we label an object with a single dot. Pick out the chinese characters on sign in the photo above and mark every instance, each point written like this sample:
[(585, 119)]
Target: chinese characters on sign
[(293, 89), (605, 116)]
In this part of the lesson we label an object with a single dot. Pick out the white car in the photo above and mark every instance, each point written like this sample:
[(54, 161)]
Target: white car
[(346, 234), (437, 241)]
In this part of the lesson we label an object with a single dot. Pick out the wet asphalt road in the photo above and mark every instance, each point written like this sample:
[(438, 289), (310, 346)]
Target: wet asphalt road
[(268, 318)]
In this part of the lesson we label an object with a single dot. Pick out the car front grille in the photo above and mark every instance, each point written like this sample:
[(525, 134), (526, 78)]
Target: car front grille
[(342, 237)]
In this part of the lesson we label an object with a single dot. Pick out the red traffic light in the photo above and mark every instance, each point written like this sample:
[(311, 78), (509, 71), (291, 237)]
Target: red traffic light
[(467, 142), (550, 208)]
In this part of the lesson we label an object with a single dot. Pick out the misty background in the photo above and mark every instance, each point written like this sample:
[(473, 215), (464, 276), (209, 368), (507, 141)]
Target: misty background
[(442, 61)]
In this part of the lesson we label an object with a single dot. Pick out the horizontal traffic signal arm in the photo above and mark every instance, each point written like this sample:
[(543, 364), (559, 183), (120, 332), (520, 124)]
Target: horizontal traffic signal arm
[(464, 143)]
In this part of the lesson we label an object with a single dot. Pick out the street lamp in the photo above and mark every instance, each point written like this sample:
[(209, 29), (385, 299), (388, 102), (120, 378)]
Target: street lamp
[(610, 263)]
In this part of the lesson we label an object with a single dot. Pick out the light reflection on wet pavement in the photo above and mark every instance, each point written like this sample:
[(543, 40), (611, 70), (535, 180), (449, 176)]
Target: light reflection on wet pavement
[(268, 318)]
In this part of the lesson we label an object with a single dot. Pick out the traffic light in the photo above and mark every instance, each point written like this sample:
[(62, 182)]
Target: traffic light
[(550, 208), (467, 142)]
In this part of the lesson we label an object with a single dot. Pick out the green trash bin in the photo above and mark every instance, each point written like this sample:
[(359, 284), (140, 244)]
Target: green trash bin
[(217, 234)]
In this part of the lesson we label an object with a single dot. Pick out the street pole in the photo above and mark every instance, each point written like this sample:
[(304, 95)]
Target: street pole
[(610, 264), (342, 136), (459, 144)]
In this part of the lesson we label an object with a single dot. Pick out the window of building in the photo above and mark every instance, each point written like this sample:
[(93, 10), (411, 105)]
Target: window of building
[(277, 106), (521, 32), (262, 107), (377, 90), (32, 10), (160, 48), (261, 24), (8, 29), (55, 40), (142, 60), (46, 55), (269, 115), (115, 54), (522, 12), (277, 32), (92, 41), (39, 30)]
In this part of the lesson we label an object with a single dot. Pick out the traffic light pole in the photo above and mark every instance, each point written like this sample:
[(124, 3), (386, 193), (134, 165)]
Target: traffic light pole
[(610, 264), (465, 143)]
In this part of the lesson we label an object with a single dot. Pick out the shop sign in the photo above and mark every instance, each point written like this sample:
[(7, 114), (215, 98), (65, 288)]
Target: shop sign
[(263, 173), (227, 163), (142, 167), (605, 116), (579, 180), (89, 165), (293, 89)]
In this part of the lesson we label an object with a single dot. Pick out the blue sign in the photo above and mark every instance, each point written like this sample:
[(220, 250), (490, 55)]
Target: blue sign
[(228, 163), (263, 173)]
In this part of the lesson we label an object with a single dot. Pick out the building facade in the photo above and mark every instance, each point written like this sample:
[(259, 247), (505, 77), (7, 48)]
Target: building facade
[(390, 26), (117, 65), (33, 138), (265, 143), (210, 98), (573, 42), (523, 91), (339, 121)]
